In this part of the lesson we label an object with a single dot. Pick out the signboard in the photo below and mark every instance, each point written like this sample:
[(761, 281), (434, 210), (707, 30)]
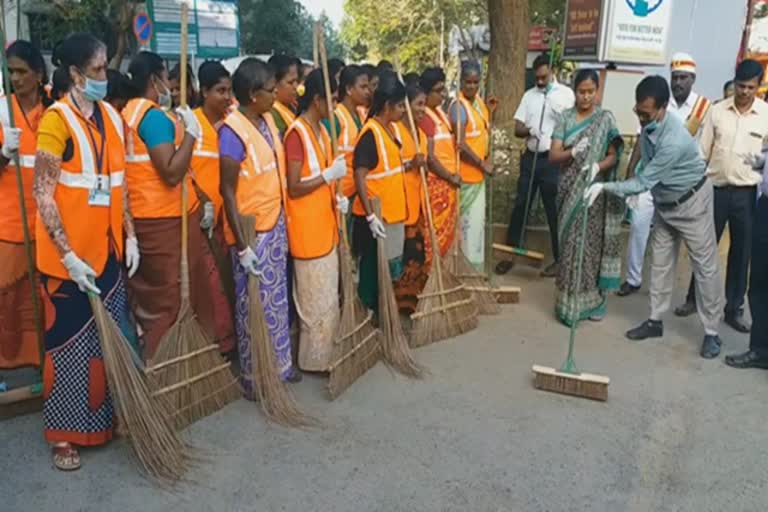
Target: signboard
[(213, 28), (582, 29), (757, 46), (142, 28), (636, 31), (539, 38)]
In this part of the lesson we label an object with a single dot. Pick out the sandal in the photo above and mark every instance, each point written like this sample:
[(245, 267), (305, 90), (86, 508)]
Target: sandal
[(66, 457)]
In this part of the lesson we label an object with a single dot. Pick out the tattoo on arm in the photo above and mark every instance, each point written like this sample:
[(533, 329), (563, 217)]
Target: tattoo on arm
[(47, 171)]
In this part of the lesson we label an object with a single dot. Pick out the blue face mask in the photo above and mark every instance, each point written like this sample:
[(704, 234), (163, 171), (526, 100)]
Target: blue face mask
[(94, 90), (651, 127)]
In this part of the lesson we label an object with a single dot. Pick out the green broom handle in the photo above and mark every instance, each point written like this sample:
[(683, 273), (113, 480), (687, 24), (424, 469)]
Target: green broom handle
[(24, 226)]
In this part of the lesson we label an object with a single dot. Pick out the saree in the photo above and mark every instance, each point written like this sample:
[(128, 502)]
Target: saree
[(316, 296), (472, 208), (601, 265), (271, 249), (155, 289), (365, 247), (18, 332), (78, 405), (414, 275), (223, 327), (442, 199)]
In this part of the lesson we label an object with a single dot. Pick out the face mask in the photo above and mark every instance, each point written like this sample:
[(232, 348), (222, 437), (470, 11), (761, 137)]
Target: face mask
[(651, 127), (94, 90), (164, 99)]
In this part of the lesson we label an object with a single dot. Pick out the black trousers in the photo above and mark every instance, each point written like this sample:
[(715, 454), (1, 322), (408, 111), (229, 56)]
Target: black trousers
[(545, 181), (736, 207), (758, 280)]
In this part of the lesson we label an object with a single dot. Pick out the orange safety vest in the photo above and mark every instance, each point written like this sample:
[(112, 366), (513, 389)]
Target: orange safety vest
[(312, 228), (476, 135), (445, 146), (414, 195), (347, 139), (11, 227), (91, 230), (262, 174), (386, 180), (205, 161), (149, 196), (285, 112)]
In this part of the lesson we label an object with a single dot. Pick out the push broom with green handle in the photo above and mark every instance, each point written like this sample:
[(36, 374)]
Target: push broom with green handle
[(568, 379)]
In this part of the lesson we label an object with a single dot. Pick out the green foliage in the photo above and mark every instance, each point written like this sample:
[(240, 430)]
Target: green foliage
[(282, 26)]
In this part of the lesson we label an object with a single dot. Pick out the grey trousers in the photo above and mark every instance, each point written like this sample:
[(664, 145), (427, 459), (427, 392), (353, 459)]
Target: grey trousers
[(693, 223)]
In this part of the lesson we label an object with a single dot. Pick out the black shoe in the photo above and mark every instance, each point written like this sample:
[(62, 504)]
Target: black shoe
[(551, 270), (749, 359), (686, 309), (648, 329), (737, 323), (627, 289), (504, 266), (710, 347)]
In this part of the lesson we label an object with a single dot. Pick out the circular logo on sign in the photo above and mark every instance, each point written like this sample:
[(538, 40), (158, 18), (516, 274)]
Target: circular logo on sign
[(643, 8)]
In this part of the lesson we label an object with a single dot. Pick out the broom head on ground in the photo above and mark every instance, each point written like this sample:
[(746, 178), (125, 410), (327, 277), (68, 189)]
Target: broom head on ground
[(276, 399), (144, 417), (397, 352)]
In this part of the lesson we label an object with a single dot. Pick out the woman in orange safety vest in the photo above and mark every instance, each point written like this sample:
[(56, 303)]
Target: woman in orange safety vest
[(286, 70), (84, 231), (354, 93), (313, 231), (158, 157), (379, 173), (18, 335), (252, 185), (215, 103)]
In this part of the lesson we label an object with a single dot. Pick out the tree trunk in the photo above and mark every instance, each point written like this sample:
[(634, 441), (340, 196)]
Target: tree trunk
[(509, 23), (123, 27)]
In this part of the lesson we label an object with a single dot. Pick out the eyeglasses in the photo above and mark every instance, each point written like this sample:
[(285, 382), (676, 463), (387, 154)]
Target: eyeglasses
[(642, 116)]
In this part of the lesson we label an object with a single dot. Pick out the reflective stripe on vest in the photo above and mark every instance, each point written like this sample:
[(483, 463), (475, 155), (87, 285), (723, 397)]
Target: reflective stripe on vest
[(311, 219), (445, 148), (414, 195), (205, 161), (260, 183), (11, 225), (386, 180), (150, 196), (91, 230), (347, 140)]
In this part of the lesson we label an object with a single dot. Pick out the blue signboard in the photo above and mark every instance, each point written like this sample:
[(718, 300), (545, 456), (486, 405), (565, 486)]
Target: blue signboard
[(142, 28)]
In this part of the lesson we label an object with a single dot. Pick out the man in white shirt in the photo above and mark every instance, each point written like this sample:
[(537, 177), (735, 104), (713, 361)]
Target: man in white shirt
[(691, 109), (551, 99)]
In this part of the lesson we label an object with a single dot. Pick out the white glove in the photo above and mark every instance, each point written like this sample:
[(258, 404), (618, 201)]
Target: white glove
[(337, 170), (248, 261), (207, 222), (342, 203), (580, 148), (593, 171), (191, 126), (376, 226), (11, 142), (79, 271), (755, 161), (533, 131), (592, 192), (132, 256), (633, 202)]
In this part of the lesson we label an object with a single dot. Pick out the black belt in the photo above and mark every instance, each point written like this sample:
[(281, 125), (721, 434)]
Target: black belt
[(683, 198)]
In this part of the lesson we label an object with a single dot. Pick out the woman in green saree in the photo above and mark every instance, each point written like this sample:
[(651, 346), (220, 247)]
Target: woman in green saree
[(587, 145)]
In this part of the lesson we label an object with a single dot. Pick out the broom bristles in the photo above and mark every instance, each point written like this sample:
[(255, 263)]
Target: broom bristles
[(185, 354), (357, 348), (445, 310), (394, 345), (585, 385), (458, 264), (145, 419), (276, 399)]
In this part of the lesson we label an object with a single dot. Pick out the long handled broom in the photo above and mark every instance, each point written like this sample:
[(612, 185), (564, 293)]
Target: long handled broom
[(457, 262), (397, 352), (145, 417), (187, 368), (568, 379), (34, 390), (276, 400), (357, 346), (534, 257), (446, 307)]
